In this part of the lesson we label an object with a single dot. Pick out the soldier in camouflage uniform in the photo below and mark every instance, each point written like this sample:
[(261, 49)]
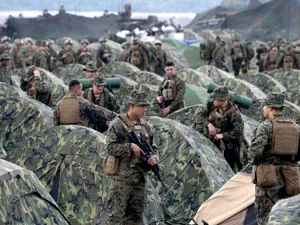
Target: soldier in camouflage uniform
[(101, 96), (218, 56), (74, 109), (17, 61), (138, 56), (104, 53), (127, 192), (67, 55), (261, 56), (41, 58), (297, 52), (28, 53), (53, 55), (125, 53), (84, 55), (288, 60), (5, 75), (4, 48), (161, 59), (90, 70), (272, 152), (171, 91), (270, 62), (37, 85), (239, 57), (220, 120)]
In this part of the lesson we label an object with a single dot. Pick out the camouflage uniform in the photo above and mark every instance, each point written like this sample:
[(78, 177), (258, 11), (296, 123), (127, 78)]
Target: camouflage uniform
[(260, 154), (270, 62), (87, 56), (238, 56), (105, 99), (161, 60), (127, 192), (218, 56), (288, 61), (297, 52), (28, 56), (174, 102), (86, 113), (5, 75), (42, 58), (227, 122), (3, 48), (103, 49), (67, 57), (123, 57), (53, 56), (39, 89), (17, 61), (138, 57)]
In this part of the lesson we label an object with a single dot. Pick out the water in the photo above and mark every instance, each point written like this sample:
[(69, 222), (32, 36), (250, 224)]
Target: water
[(179, 18)]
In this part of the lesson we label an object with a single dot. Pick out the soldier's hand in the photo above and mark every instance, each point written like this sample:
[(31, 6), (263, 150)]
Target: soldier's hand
[(152, 161), (136, 150), (37, 73), (212, 130), (218, 136), (243, 63), (107, 123), (159, 99), (165, 111)]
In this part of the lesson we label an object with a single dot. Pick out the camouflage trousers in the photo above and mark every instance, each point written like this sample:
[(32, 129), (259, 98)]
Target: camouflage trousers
[(266, 197), (126, 203)]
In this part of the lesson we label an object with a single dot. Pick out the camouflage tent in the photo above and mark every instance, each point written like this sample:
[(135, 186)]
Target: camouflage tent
[(145, 77), (114, 47), (75, 44), (122, 68), (21, 117), (70, 72), (68, 160), (286, 211), (175, 55), (179, 45), (216, 74), (24, 200), (195, 77), (192, 56)]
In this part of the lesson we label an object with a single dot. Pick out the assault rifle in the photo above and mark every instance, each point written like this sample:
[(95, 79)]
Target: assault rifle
[(147, 149), (162, 105)]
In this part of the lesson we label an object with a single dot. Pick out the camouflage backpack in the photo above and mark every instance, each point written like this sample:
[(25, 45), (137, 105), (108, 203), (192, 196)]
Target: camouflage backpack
[(206, 50), (250, 52)]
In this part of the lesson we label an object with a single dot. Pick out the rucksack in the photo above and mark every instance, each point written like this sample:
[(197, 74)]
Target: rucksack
[(250, 52), (206, 50)]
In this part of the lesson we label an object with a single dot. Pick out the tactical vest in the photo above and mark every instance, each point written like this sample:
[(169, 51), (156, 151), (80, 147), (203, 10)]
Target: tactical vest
[(169, 91), (238, 54), (160, 57), (288, 62), (69, 111), (285, 138), (274, 55), (135, 58), (19, 59), (86, 58), (100, 100), (69, 58)]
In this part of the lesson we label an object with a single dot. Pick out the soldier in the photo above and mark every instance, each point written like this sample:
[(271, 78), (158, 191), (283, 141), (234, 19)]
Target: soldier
[(123, 57), (218, 56), (220, 120), (28, 53), (288, 60), (67, 56), (103, 53), (17, 61), (5, 45), (138, 56), (84, 55), (270, 62), (53, 55), (273, 148), (5, 75), (127, 192), (161, 59), (101, 96), (37, 85), (90, 70), (171, 91), (41, 57), (261, 56), (74, 109), (239, 57)]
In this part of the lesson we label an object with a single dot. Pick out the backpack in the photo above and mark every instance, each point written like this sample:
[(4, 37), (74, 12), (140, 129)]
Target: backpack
[(206, 50), (250, 52)]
